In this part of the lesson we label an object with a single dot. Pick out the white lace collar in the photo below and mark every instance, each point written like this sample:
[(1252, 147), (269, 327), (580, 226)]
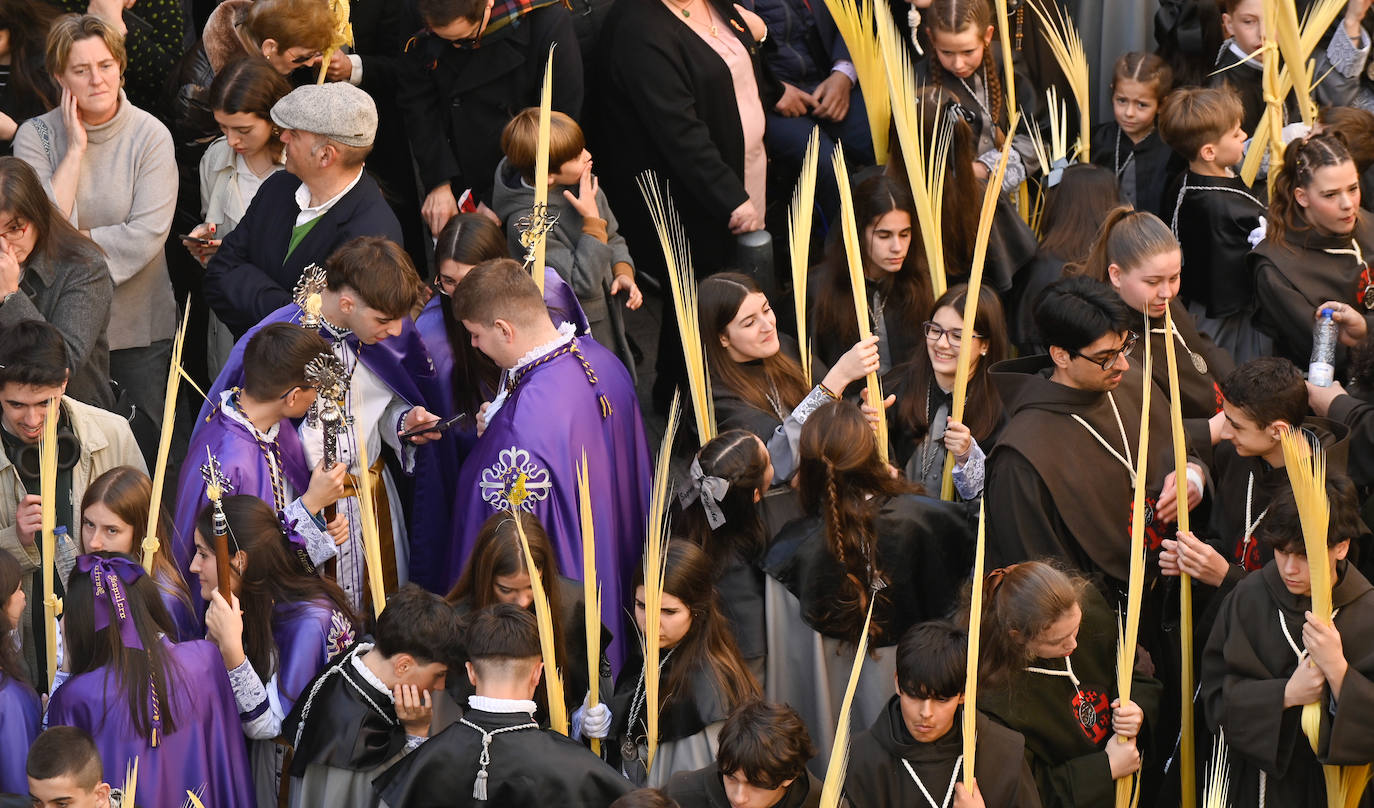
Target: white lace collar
[(489, 705), (366, 672), (566, 331)]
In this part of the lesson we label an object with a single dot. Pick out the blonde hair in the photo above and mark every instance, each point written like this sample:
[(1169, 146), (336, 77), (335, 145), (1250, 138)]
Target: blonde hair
[(70, 29), (1128, 238), (290, 23), (1192, 117), (520, 141)]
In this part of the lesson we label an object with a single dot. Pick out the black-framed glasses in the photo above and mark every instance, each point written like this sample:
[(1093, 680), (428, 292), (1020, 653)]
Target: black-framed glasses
[(955, 335), (300, 60), (1106, 364), (444, 285)]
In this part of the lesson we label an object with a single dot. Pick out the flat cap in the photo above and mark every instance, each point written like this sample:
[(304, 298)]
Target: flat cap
[(336, 109)]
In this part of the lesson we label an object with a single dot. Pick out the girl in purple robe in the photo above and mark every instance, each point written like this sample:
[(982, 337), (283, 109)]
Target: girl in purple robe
[(18, 702), (142, 696), (290, 624), (114, 511), (496, 573)]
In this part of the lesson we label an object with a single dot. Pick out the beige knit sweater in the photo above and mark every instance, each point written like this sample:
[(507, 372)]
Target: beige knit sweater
[(126, 195)]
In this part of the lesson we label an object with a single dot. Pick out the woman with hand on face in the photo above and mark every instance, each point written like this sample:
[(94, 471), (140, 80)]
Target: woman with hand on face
[(701, 676), (50, 272), (114, 517), (109, 168), (278, 629), (19, 706), (756, 380), (234, 166), (496, 573), (923, 429), (1316, 251), (1047, 669)]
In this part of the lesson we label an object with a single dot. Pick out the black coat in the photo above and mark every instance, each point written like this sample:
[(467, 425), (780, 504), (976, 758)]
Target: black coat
[(667, 103), (252, 276), (456, 102)]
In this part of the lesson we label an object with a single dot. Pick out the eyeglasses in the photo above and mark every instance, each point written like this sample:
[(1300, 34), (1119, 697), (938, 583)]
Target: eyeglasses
[(445, 285), (1106, 364), (474, 41), (16, 232), (300, 60), (955, 335)]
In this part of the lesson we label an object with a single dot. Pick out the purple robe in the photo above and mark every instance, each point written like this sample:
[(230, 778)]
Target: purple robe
[(186, 621), (308, 635), (207, 753), (246, 468), (405, 367), (536, 440), (19, 725), (437, 570)]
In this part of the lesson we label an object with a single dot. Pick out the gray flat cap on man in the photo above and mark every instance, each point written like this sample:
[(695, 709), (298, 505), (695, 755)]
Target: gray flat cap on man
[(337, 110)]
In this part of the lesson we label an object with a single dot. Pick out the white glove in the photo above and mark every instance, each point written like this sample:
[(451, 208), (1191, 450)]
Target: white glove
[(591, 722)]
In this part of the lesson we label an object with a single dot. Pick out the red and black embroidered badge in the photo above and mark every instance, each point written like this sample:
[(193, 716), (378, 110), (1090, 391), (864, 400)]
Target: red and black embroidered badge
[(1154, 532), (1247, 553), (1092, 710)]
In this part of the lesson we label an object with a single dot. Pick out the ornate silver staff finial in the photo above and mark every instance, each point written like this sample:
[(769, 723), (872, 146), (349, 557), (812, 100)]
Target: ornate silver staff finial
[(326, 373), (533, 227), (306, 294)]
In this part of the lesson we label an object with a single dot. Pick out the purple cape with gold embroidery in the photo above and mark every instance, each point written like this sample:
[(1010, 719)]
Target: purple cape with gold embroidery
[(207, 754), (245, 467), (308, 635), (19, 725), (536, 440), (405, 367)]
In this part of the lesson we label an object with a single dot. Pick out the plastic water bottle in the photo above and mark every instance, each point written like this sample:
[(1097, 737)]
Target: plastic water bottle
[(1322, 370)]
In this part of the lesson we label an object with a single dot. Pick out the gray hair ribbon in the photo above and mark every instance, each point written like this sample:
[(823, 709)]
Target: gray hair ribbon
[(710, 490)]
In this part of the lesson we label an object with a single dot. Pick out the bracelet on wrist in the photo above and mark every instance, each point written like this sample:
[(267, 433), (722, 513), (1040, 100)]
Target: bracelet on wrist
[(827, 391)]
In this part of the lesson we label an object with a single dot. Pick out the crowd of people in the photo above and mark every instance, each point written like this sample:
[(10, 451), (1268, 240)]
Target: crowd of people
[(335, 459)]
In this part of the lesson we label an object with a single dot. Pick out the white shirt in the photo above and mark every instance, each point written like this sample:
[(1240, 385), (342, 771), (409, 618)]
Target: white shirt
[(309, 213)]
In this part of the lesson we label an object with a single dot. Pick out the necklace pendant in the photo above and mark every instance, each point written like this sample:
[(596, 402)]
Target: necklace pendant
[(1087, 714), (686, 13), (629, 750), (1199, 363)]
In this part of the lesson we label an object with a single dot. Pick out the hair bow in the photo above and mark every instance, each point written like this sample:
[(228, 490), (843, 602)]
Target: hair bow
[(110, 579), (710, 490), (1056, 174)]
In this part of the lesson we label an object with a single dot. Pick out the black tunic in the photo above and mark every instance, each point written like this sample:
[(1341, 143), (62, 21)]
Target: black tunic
[(1294, 278), (529, 767), (877, 779), (1066, 753), (1248, 81), (1142, 169), (925, 551), (1245, 668), (1198, 390), (342, 721), (1213, 217)]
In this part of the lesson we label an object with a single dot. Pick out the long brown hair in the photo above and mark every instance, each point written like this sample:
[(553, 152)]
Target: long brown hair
[(251, 86), (709, 644), (139, 672), (718, 301), (1075, 210), (1302, 158), (21, 195), (907, 290), (271, 577), (1020, 602), (984, 404), (739, 458), (1357, 126), (841, 479), (498, 554), (952, 17), (27, 22), (128, 493), (958, 218), (468, 238), (11, 578), (1128, 238)]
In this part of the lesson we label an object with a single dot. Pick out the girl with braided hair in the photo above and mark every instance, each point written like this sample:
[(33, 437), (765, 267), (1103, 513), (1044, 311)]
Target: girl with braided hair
[(962, 62), (866, 535), (1316, 251)]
